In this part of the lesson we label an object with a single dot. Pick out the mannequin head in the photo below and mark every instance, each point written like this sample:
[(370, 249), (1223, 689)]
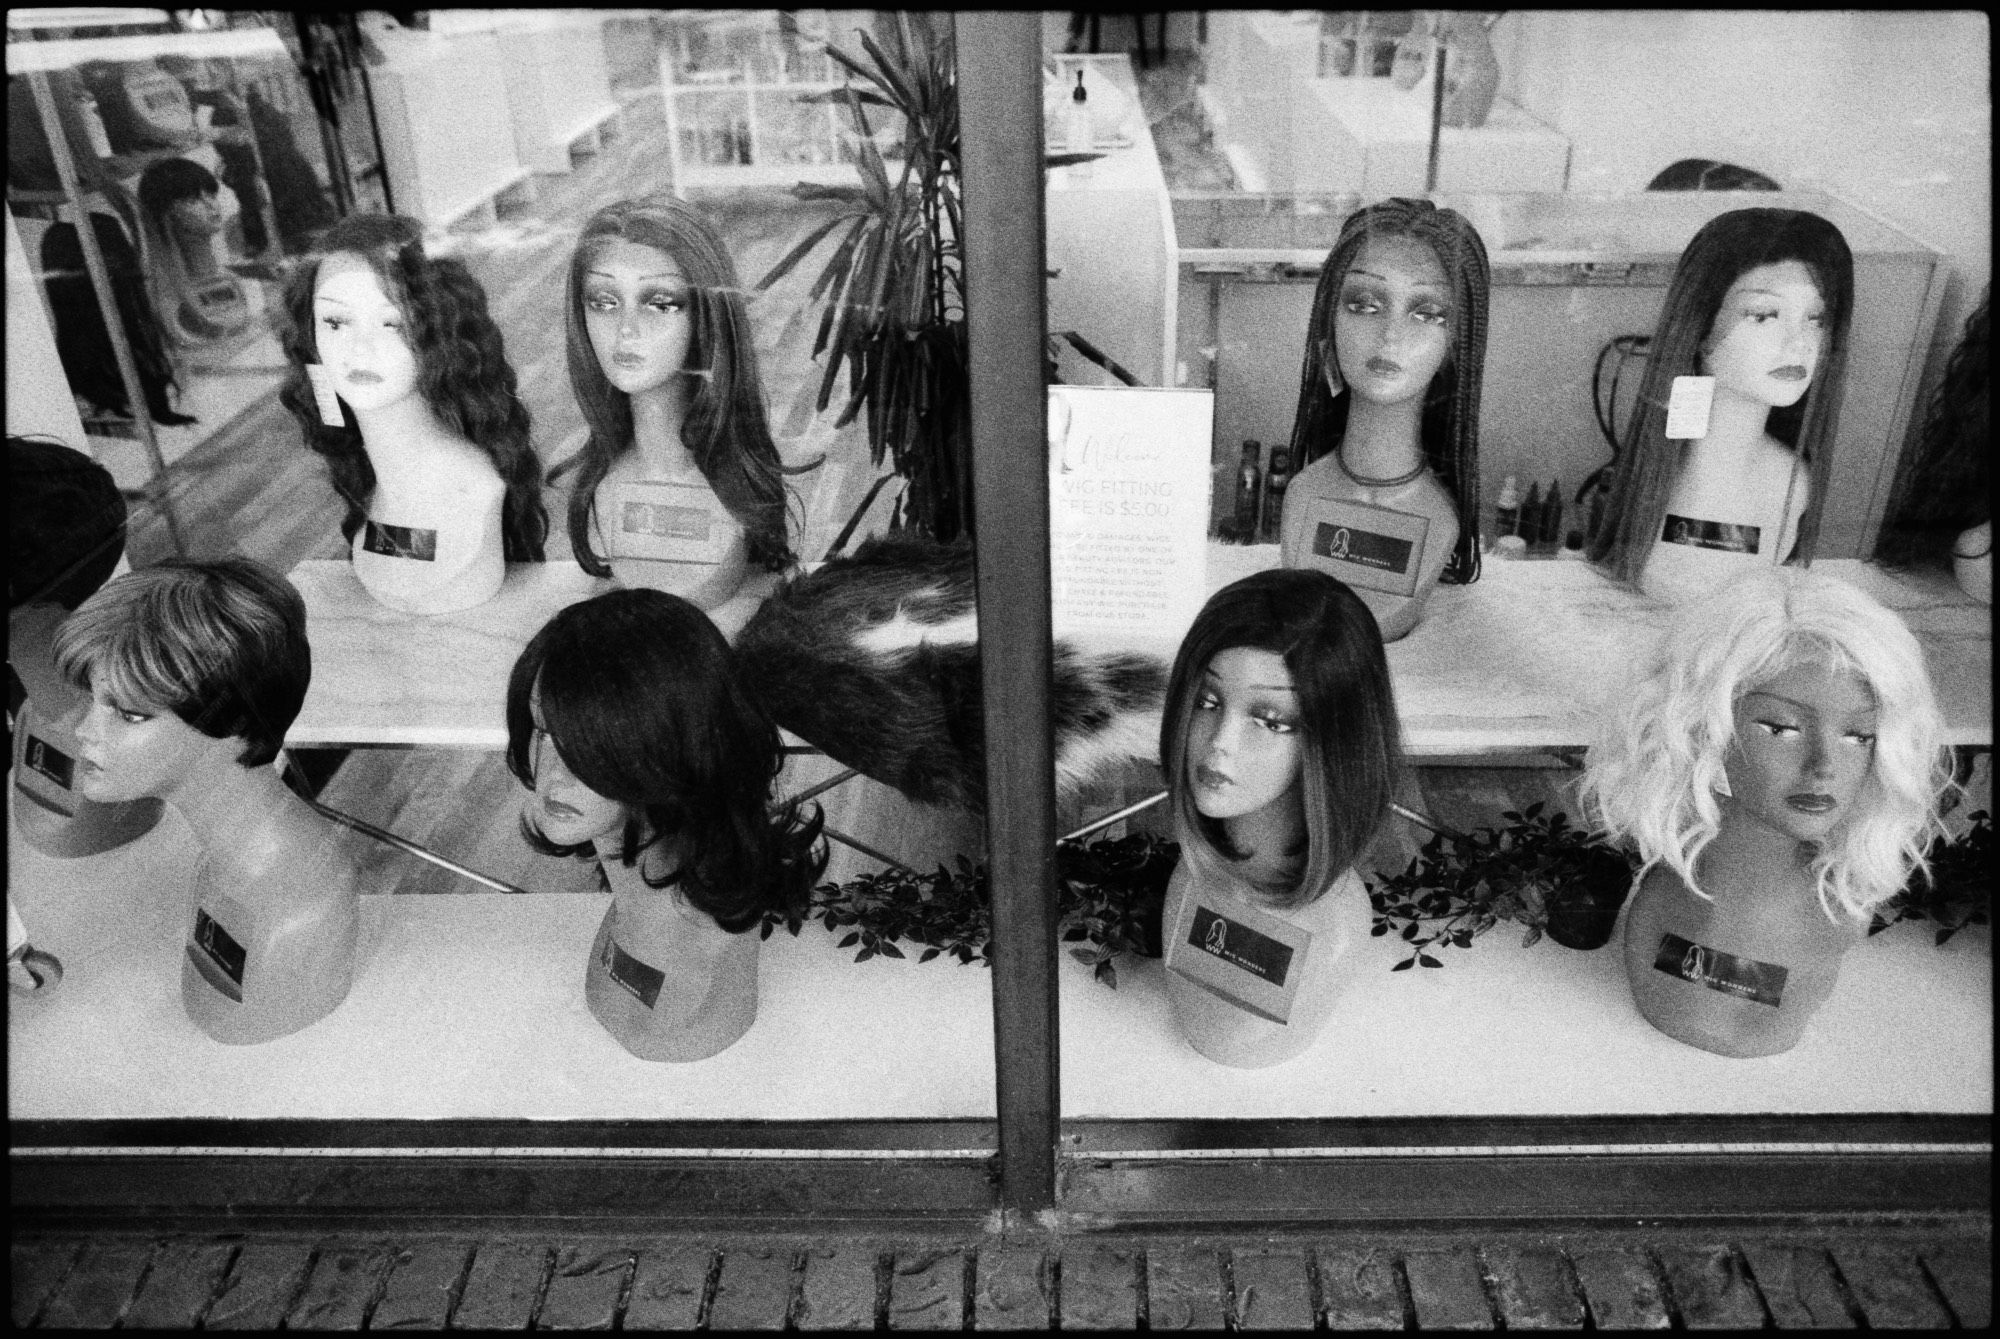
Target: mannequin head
[(1405, 284), (181, 199), (635, 696), (177, 657), (650, 279), (1331, 745), (1749, 277), (445, 333), (1785, 684)]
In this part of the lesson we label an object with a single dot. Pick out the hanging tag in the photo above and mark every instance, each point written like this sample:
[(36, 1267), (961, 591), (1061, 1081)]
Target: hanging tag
[(1687, 407), (323, 393)]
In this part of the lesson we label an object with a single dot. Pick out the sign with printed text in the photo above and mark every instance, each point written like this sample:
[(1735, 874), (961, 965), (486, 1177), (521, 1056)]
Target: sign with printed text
[(217, 954), (1368, 547), (400, 541), (1727, 536), (640, 980), (1745, 978), (667, 522), (1128, 507), (1241, 952)]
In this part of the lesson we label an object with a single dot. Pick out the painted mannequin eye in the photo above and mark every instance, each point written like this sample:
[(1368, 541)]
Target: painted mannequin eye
[(1780, 729)]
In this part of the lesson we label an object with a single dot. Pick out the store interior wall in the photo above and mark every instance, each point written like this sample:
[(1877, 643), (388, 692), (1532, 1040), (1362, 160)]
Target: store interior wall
[(38, 399)]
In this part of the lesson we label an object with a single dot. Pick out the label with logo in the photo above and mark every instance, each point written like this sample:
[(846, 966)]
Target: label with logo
[(1745, 978), (1369, 547), (1724, 535), (50, 761), (1246, 955), (668, 522), (216, 955), (400, 541), (639, 980)]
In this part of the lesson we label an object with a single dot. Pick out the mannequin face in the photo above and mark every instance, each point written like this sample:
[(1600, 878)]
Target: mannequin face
[(1805, 741), (131, 749), (565, 810), (1768, 335), (640, 319), (197, 215), (1243, 749), (359, 331), (1392, 327)]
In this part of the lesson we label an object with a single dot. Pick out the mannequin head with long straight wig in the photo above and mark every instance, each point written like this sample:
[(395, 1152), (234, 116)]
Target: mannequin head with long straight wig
[(725, 429), (1449, 429), (1728, 247)]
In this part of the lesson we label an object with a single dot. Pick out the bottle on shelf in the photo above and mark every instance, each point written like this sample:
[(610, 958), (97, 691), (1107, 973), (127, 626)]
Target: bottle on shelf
[(1279, 475), (1507, 509), (1077, 136), (1249, 491), (1530, 524), (1552, 514)]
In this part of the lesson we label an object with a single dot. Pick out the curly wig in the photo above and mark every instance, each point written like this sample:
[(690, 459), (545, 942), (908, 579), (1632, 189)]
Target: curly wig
[(462, 372), (1653, 774), (1945, 485), (725, 431), (1727, 247), (1351, 738), (642, 699), (1450, 427)]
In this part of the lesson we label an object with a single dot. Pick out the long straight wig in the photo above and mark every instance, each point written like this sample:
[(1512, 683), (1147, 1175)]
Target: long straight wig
[(1350, 736), (644, 703), (1450, 426), (462, 372), (726, 430), (1727, 247)]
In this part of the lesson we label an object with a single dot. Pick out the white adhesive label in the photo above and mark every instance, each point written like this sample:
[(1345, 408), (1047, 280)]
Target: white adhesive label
[(1687, 408), (323, 393)]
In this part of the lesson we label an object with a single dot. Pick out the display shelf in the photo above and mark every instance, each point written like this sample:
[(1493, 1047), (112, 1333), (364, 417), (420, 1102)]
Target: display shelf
[(558, 86), (447, 124)]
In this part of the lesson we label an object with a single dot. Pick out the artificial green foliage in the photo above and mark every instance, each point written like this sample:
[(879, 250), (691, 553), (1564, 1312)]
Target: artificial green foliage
[(1463, 884), (1959, 890), (1109, 895)]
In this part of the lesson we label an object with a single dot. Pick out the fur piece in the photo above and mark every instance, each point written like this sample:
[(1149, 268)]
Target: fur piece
[(874, 659)]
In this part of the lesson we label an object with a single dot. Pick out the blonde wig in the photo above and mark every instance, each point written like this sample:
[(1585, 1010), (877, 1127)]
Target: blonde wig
[(1653, 775)]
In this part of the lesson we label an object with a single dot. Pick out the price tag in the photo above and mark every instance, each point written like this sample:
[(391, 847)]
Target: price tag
[(217, 955), (668, 522), (1241, 952), (1727, 536), (324, 395), (1745, 978), (638, 979), (1687, 408), (1366, 546), (400, 541)]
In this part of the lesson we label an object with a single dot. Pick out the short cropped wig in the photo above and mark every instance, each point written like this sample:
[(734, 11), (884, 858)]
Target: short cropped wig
[(221, 644), (1727, 247), (1450, 426), (1351, 740), (642, 699), (726, 431), (1653, 775), (462, 372)]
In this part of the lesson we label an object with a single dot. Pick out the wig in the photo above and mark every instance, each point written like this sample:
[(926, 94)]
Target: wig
[(1945, 485), (1450, 426), (1654, 771), (642, 699), (1352, 742), (462, 372), (1727, 247), (65, 523), (725, 431), (168, 182), (221, 644)]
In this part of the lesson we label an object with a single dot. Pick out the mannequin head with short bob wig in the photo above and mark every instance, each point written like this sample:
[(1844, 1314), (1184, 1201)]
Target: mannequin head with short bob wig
[(1656, 774), (1351, 743), (1449, 431), (220, 644), (462, 371), (639, 695), (725, 429), (1648, 465)]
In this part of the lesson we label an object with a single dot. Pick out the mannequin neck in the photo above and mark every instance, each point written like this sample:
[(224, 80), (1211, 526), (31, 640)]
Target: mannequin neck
[(1736, 426), (658, 415), (225, 802), (1269, 835), (195, 251), (1746, 849), (1383, 441), (404, 442)]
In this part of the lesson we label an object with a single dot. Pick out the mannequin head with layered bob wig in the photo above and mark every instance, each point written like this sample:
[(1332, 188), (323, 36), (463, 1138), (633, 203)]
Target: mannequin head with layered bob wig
[(1656, 775), (725, 429), (1350, 741), (220, 644), (638, 696), (1449, 431), (462, 371), (1648, 465)]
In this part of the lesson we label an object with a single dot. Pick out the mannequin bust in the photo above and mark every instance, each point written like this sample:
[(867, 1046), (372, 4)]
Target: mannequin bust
[(679, 487), (200, 300), (1280, 745), (1759, 303), (626, 719), (431, 451), (1767, 847), (195, 671), (1388, 414)]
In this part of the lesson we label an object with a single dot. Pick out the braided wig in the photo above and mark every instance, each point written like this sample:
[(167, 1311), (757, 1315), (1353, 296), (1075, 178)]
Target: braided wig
[(462, 372), (1450, 425), (1351, 740), (725, 431), (1648, 465), (643, 701)]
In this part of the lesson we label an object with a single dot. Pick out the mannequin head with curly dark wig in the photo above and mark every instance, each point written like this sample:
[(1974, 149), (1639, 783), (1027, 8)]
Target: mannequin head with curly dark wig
[(461, 363)]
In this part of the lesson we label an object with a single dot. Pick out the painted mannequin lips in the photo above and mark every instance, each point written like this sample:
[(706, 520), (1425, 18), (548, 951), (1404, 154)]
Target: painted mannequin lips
[(1812, 803), (1791, 372), (1384, 366)]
